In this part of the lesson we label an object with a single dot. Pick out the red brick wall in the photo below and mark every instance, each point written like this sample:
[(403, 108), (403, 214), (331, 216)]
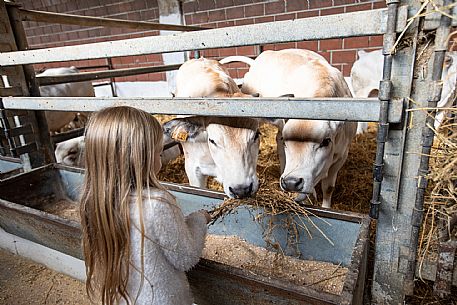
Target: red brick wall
[(44, 35), (341, 53)]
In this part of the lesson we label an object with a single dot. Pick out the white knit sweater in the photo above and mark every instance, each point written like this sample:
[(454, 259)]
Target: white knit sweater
[(173, 245)]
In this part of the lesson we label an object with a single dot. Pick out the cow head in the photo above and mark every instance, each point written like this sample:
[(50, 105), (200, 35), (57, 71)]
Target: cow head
[(71, 152), (233, 144), (309, 148)]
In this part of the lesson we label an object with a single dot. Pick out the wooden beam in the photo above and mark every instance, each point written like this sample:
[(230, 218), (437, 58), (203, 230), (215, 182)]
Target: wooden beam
[(51, 17), (85, 76)]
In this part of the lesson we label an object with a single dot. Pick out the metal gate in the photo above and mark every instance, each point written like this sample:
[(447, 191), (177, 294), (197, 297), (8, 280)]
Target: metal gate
[(411, 81)]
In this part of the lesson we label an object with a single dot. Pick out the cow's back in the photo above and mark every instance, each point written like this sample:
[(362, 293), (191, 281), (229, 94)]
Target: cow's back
[(366, 73), (58, 119), (293, 71), (204, 78)]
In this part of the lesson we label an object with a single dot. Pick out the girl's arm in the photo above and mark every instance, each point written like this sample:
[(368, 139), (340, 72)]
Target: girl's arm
[(181, 238)]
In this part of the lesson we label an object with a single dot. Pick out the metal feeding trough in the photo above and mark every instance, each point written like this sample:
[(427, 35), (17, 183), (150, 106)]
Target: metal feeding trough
[(25, 198), (9, 167)]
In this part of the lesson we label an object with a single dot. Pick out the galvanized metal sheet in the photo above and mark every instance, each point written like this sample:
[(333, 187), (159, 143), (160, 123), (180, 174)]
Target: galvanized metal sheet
[(364, 23), (343, 234), (222, 280), (7, 165), (320, 109)]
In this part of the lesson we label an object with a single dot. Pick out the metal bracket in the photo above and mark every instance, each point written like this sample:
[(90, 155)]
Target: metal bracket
[(24, 149), (445, 268), (17, 131)]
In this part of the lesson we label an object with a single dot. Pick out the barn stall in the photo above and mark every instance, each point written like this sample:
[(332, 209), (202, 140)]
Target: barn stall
[(29, 209)]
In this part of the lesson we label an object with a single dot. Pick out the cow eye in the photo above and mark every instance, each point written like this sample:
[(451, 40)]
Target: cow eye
[(257, 135), (212, 142), (325, 142)]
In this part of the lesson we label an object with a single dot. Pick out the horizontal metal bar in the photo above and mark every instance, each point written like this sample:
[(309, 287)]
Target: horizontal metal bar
[(11, 91), (17, 131), (10, 113), (64, 136), (24, 149), (105, 83), (92, 67), (432, 20), (85, 76), (60, 18), (320, 109), (364, 23)]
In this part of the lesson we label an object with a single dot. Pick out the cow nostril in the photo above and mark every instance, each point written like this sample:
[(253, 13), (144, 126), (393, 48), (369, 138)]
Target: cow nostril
[(250, 188), (299, 182)]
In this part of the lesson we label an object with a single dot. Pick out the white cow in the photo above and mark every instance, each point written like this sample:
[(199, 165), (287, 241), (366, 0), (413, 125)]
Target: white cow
[(58, 119), (361, 126), (366, 73), (314, 151), (225, 148), (71, 152)]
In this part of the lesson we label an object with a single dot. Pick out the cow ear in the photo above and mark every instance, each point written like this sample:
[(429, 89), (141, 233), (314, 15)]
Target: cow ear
[(335, 125), (184, 129), (361, 53)]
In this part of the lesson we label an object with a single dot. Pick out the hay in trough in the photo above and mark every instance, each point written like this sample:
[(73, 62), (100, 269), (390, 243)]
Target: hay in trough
[(353, 187), (352, 192)]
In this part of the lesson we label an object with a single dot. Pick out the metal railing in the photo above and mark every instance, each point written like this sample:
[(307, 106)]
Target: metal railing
[(394, 163)]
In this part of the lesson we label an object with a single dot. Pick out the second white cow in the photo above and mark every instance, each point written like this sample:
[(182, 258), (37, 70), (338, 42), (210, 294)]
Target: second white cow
[(314, 150), (58, 119), (71, 152), (225, 148), (366, 73)]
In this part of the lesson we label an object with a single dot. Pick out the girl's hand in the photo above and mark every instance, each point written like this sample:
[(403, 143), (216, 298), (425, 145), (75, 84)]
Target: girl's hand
[(207, 215)]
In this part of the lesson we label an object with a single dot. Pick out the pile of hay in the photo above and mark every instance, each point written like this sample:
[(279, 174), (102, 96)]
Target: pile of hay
[(79, 121), (352, 193), (353, 187)]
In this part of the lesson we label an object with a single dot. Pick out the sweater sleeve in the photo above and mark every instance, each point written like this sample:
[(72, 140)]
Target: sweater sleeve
[(181, 238)]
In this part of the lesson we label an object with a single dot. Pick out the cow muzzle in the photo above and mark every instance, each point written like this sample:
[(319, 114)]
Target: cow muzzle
[(292, 184), (241, 191)]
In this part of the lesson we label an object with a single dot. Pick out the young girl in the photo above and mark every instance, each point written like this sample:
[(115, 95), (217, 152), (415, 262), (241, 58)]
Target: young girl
[(137, 243)]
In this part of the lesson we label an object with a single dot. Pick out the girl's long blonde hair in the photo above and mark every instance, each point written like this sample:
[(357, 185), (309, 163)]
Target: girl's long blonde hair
[(120, 146)]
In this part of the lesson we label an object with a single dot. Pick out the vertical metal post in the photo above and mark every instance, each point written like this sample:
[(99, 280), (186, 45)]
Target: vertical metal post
[(45, 153), (443, 280), (112, 80), (4, 122), (385, 92), (399, 213), (259, 49)]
